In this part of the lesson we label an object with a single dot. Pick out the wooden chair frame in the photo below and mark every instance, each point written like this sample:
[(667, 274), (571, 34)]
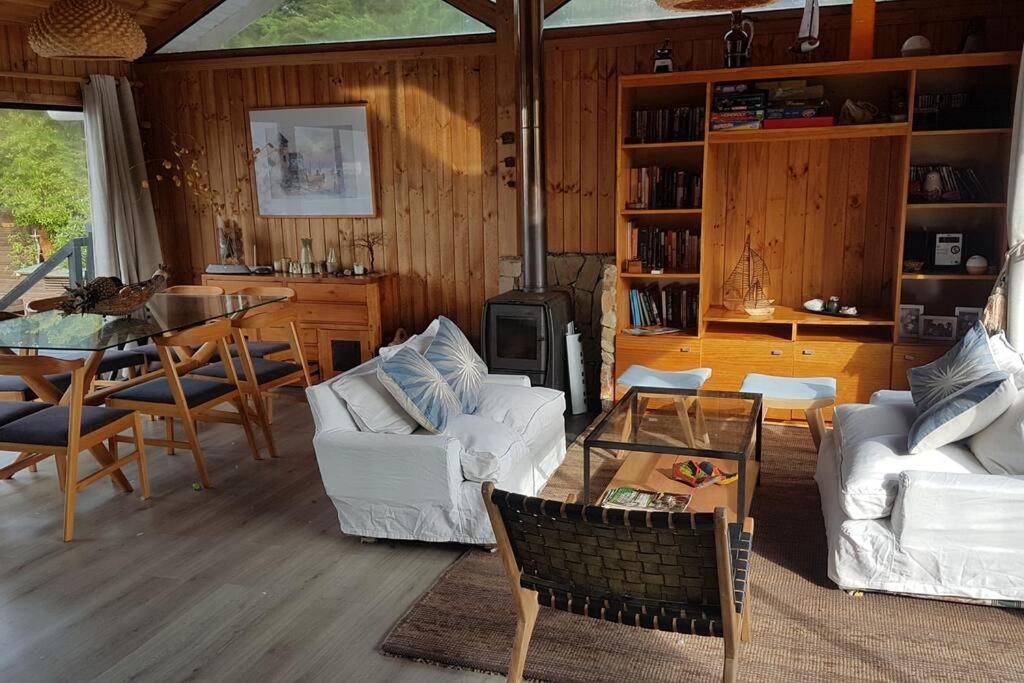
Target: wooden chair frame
[(67, 456), (195, 290), (736, 626), (210, 338), (255, 334)]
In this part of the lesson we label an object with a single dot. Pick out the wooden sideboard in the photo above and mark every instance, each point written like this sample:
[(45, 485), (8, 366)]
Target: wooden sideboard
[(342, 321)]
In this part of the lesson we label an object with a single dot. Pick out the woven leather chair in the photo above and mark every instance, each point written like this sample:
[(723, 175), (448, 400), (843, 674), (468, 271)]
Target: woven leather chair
[(665, 571)]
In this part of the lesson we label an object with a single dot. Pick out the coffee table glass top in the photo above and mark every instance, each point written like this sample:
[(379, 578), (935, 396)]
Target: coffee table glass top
[(680, 421)]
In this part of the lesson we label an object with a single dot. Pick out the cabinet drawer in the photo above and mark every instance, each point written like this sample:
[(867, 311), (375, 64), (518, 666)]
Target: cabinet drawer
[(859, 369), (668, 353), (231, 286), (906, 356), (332, 292), (731, 360), (351, 314), (307, 335)]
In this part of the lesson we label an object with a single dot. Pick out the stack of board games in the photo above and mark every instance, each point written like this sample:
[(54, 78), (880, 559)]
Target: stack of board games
[(795, 104), (736, 106)]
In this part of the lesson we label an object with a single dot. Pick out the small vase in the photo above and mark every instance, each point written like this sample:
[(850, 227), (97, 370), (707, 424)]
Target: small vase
[(306, 256)]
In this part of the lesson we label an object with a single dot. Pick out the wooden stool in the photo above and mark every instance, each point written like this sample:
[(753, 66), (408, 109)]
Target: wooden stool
[(641, 376), (809, 394)]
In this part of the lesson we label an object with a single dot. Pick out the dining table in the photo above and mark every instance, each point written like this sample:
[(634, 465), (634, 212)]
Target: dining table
[(92, 335)]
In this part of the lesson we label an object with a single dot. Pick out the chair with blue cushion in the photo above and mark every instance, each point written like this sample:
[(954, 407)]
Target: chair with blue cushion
[(39, 430), (809, 394), (641, 376), (176, 396)]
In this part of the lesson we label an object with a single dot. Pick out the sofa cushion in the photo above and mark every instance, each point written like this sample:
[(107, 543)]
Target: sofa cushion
[(488, 449), (967, 362), (417, 342), (853, 423), (526, 410), (457, 361), (372, 407), (1007, 358), (964, 413), (419, 388), (1000, 446), (870, 469)]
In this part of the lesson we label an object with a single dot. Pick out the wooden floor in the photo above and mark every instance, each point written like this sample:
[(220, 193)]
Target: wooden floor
[(251, 580)]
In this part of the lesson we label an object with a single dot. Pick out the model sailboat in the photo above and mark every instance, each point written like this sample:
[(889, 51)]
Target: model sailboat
[(745, 287)]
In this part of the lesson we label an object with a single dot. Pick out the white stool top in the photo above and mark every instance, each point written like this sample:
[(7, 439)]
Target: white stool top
[(640, 376), (790, 388)]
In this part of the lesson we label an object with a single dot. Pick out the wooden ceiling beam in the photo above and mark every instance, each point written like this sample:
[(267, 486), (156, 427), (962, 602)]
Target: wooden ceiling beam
[(191, 12), (484, 11)]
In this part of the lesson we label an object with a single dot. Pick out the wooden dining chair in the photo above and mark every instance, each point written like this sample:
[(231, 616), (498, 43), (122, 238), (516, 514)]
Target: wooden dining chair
[(39, 430), (257, 340), (260, 377), (175, 396)]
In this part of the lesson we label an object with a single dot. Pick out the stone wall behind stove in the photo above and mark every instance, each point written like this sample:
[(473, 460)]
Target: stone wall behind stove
[(583, 276)]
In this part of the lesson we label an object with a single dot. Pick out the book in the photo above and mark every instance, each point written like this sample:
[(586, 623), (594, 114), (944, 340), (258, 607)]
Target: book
[(678, 124), (658, 187), (672, 306), (664, 249), (629, 498), (649, 331)]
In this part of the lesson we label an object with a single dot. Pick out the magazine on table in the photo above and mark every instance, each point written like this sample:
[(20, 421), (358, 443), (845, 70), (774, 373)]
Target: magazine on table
[(629, 498)]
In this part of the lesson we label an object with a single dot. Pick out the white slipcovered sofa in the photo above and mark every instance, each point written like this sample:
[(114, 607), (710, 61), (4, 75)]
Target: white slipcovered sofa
[(933, 524), (424, 486)]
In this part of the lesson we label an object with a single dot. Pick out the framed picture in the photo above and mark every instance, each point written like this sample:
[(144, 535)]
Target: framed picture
[(313, 161), (938, 327), (966, 316), (910, 320)]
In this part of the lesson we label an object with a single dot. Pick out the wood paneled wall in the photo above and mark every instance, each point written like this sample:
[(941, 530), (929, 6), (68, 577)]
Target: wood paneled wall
[(16, 55)]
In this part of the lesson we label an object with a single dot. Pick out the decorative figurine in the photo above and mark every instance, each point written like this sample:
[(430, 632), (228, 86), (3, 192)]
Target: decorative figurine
[(663, 59), (745, 286), (832, 306)]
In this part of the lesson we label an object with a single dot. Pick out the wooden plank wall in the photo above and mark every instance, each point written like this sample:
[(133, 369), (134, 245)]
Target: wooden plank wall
[(581, 90), (16, 55), (823, 232)]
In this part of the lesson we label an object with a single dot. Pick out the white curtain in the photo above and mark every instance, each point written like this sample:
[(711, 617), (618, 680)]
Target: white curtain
[(1015, 224), (125, 241)]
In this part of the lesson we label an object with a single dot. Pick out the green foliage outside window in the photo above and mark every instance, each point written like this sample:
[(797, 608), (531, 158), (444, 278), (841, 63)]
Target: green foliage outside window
[(43, 181), (296, 22)]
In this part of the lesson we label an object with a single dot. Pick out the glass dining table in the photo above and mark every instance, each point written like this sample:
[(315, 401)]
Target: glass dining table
[(96, 334)]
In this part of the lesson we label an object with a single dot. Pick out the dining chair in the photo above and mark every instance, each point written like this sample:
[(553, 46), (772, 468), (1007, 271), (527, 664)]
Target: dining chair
[(681, 572), (259, 346), (175, 396), (149, 350), (39, 430), (260, 377)]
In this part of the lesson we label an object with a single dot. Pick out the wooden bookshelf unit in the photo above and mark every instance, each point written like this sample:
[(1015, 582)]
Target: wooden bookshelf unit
[(830, 211)]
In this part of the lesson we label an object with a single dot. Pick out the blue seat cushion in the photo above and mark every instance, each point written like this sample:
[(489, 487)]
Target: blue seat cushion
[(49, 427), (259, 349), (13, 410), (790, 388), (113, 359), (266, 370), (158, 390), (14, 383), (641, 376)]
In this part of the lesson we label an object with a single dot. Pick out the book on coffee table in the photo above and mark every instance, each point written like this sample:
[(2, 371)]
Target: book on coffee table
[(629, 498)]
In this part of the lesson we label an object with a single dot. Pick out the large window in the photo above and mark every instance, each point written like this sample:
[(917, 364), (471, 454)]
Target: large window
[(591, 12), (268, 23), (44, 189)]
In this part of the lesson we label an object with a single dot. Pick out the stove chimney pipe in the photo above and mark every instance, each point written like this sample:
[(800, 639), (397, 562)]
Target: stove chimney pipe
[(529, 52)]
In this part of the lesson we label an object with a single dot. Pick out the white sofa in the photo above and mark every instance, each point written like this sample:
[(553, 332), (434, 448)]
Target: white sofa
[(424, 486), (934, 524)]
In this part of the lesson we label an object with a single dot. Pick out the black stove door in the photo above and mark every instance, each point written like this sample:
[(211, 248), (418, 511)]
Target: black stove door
[(517, 338)]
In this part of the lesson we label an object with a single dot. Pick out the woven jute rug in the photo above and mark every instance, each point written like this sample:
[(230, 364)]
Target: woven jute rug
[(804, 628)]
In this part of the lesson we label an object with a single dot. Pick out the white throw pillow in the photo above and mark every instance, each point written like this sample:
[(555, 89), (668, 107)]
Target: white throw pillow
[(1007, 358), (372, 407), (1000, 446)]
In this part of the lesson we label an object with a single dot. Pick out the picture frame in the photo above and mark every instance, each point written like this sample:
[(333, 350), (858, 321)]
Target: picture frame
[(938, 327), (966, 316), (313, 161), (910, 320)]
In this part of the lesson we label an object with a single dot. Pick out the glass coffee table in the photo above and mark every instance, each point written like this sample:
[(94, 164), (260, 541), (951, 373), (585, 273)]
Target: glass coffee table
[(653, 428)]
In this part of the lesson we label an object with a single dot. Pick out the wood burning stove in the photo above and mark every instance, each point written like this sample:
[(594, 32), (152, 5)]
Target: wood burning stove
[(523, 333)]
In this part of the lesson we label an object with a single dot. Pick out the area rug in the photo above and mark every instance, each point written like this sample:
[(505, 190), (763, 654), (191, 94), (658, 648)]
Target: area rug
[(804, 628)]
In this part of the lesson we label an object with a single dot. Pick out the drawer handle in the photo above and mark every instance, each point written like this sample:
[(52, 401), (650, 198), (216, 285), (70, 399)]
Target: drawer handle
[(909, 357), (685, 349), (776, 352), (808, 352)]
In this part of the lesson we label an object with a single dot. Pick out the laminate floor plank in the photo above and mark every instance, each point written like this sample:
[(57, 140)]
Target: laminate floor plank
[(249, 580)]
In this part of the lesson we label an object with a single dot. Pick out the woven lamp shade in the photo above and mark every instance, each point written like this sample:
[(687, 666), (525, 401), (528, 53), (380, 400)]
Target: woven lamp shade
[(86, 29), (710, 5)]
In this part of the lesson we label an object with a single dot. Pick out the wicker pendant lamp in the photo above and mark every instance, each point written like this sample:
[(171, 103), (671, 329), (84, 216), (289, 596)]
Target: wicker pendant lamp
[(87, 29), (710, 5)]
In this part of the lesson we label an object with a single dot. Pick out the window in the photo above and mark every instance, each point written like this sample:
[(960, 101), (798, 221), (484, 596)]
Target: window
[(44, 191), (266, 23), (590, 12)]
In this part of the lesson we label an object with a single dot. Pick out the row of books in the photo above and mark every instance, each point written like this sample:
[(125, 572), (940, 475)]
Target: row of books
[(678, 124), (671, 249), (674, 306), (981, 107), (957, 185), (655, 187)]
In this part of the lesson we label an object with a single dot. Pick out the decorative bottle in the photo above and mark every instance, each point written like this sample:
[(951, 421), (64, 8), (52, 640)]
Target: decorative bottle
[(737, 41)]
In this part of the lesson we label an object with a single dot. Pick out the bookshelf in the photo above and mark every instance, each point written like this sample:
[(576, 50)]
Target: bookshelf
[(830, 209)]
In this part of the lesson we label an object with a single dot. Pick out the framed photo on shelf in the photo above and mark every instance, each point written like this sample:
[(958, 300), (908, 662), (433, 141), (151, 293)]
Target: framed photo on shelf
[(313, 161), (910, 320), (938, 327), (966, 316)]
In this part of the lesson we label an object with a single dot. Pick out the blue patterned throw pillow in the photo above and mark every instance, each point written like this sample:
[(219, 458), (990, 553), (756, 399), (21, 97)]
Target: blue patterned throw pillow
[(963, 413), (964, 364), (419, 389), (453, 355)]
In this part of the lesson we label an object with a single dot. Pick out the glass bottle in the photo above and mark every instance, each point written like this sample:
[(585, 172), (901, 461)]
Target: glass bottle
[(737, 41)]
